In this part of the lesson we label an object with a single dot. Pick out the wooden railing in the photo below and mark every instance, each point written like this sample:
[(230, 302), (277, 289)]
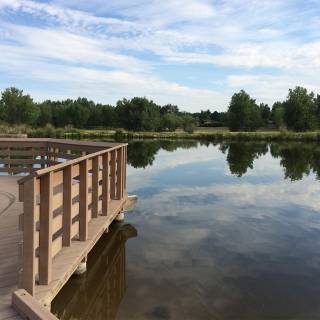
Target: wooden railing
[(78, 182), (23, 155), (28, 155)]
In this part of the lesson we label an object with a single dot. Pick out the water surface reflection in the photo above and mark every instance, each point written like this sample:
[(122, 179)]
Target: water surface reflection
[(98, 293), (226, 231), (297, 159)]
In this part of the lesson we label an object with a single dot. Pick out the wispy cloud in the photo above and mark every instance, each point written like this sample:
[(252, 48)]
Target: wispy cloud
[(139, 47)]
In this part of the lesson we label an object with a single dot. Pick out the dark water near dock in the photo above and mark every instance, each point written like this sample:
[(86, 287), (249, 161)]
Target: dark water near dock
[(224, 231)]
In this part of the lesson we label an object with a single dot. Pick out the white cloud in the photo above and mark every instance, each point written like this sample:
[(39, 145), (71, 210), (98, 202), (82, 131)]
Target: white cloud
[(41, 44), (156, 12), (268, 88), (137, 38), (83, 65)]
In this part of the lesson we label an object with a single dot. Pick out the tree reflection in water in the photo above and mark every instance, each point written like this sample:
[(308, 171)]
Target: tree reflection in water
[(297, 159), (141, 154), (98, 293), (240, 155)]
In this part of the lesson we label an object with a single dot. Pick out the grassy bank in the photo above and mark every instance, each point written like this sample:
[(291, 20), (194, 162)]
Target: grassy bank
[(225, 135), (211, 134)]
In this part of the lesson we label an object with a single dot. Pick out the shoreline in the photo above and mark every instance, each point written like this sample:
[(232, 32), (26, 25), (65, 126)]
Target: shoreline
[(209, 136), (204, 134)]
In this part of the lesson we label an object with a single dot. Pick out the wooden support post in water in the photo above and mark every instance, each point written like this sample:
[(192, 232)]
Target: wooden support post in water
[(83, 198), (46, 218), (105, 184), (29, 226), (95, 187), (67, 206)]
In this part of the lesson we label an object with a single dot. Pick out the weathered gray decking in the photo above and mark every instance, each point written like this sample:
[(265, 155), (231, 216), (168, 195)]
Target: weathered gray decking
[(10, 237)]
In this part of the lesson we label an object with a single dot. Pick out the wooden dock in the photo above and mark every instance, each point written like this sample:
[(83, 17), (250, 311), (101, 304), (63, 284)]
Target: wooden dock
[(53, 216), (10, 237)]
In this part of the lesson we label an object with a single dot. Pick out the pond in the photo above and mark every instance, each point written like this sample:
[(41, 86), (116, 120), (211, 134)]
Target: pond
[(220, 231)]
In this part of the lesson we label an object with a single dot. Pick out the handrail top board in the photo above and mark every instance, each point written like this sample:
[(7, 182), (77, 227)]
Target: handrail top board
[(104, 146)]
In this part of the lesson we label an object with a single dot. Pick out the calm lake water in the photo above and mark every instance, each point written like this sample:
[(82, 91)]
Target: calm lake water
[(220, 231)]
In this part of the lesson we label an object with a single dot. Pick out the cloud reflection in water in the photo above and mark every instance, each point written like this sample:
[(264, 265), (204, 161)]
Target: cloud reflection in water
[(215, 244)]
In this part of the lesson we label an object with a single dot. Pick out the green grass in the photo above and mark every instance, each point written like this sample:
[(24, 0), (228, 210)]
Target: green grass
[(212, 134), (205, 134)]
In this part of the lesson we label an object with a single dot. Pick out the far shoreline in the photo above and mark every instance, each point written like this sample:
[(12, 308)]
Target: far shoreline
[(209, 134)]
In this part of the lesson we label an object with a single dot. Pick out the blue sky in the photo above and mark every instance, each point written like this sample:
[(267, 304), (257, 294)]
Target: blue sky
[(194, 53)]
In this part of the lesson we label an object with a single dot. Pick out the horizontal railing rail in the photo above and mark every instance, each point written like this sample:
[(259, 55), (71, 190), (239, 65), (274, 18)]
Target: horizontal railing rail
[(28, 155), (77, 183)]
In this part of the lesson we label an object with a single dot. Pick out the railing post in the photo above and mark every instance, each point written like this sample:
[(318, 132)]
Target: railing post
[(46, 219), (95, 187), (113, 175), (119, 190), (56, 151), (83, 198), (29, 231), (105, 184), (125, 170), (51, 157), (67, 206), (8, 156)]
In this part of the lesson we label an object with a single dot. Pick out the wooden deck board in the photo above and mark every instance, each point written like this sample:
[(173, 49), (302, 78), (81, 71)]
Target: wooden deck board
[(10, 237)]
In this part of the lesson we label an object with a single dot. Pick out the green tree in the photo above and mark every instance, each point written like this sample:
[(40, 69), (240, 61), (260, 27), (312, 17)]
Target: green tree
[(205, 118), (243, 112), (45, 113), (265, 113), (277, 114), (96, 117), (79, 113), (138, 114), (18, 108), (170, 121), (317, 102), (108, 116), (300, 110), (60, 115), (189, 123), (169, 108), (101, 116)]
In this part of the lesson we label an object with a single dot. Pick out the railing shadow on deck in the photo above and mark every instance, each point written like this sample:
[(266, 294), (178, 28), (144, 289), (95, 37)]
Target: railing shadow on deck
[(97, 294), (72, 193)]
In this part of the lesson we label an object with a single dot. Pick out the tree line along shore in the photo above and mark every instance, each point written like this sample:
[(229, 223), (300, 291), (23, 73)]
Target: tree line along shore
[(296, 118)]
